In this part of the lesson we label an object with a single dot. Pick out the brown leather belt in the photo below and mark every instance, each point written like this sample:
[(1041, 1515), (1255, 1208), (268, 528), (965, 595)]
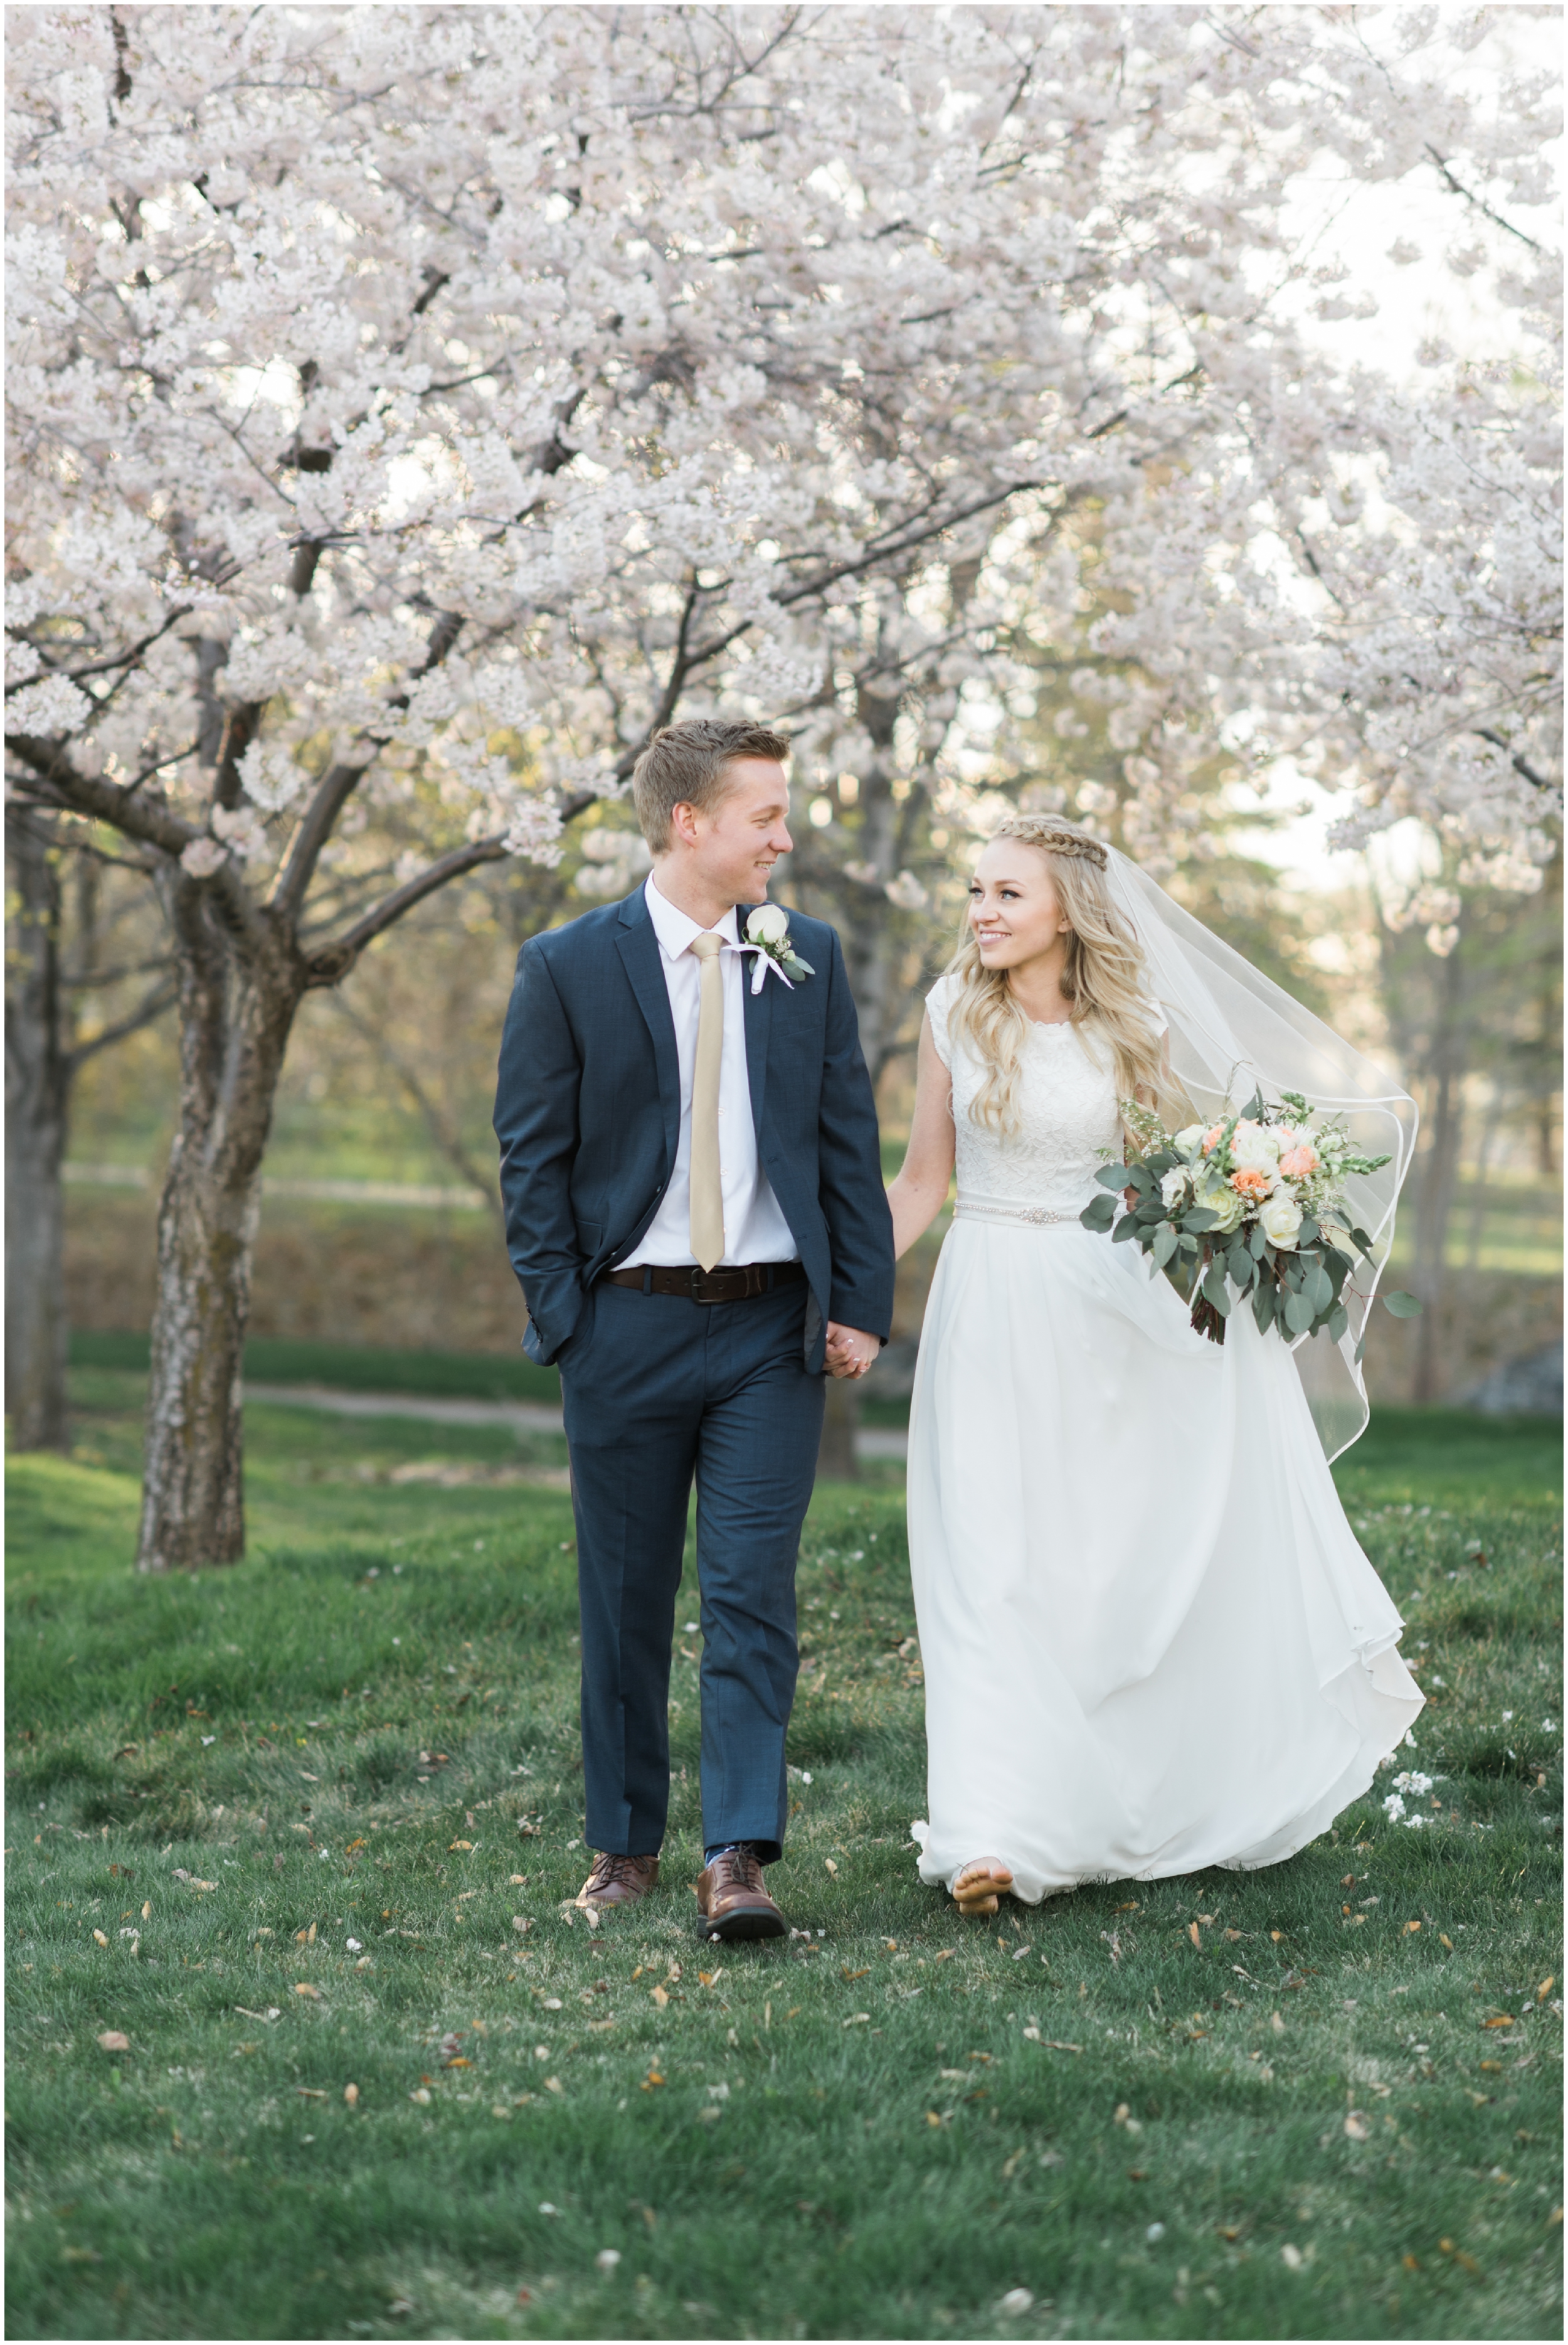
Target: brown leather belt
[(732, 1283)]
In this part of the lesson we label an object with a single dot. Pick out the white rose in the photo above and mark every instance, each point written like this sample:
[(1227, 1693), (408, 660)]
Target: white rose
[(1173, 1188), (1190, 1136), (1254, 1149), (1225, 1206), (768, 925), (1281, 1218)]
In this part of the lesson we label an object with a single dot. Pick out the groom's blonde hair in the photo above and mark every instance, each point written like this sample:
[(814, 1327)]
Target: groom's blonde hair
[(685, 764), (1103, 982)]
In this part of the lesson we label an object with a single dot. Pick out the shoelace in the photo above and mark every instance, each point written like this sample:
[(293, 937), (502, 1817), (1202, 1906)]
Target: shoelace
[(609, 1869), (738, 1868)]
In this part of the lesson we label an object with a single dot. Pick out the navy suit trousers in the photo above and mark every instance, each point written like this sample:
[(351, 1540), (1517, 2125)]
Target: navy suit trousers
[(658, 1390)]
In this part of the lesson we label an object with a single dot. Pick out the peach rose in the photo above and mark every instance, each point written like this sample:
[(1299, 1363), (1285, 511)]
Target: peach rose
[(1211, 1139), (1298, 1162), (1250, 1184)]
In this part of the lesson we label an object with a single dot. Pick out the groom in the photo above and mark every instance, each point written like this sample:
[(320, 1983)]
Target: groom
[(694, 1207)]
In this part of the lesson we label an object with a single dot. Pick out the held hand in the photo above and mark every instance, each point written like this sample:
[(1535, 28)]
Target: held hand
[(850, 1352)]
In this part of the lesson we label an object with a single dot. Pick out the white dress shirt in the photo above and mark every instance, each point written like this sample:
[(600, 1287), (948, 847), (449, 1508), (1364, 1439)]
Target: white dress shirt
[(755, 1228)]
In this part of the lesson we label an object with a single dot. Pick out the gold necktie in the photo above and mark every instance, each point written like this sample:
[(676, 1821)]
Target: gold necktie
[(707, 1204)]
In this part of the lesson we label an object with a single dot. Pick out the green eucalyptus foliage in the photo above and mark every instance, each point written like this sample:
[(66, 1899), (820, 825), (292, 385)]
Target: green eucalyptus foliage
[(1297, 1287)]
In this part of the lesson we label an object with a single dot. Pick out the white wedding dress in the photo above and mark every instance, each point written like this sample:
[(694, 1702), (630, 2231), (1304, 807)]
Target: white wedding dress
[(1151, 1640)]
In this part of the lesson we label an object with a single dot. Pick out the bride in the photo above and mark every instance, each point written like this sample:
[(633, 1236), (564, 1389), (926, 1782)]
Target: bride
[(1151, 1640)]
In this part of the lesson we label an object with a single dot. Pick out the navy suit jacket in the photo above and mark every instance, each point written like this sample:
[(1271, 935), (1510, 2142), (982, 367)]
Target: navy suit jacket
[(588, 1115)]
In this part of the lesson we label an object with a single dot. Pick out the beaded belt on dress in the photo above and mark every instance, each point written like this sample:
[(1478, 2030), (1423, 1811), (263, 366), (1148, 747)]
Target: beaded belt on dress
[(985, 1209)]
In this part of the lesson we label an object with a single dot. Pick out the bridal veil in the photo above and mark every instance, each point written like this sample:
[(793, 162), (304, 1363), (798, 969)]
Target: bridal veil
[(1233, 1030)]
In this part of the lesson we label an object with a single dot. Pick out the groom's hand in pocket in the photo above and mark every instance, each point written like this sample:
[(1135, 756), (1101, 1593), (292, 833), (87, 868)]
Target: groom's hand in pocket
[(850, 1351)]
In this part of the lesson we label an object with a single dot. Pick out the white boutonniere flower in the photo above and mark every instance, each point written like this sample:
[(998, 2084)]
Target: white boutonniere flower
[(768, 935)]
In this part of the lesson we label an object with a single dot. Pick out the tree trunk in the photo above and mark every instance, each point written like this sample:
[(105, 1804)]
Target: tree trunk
[(871, 949), (1439, 1178), (38, 1100), (835, 1458), (238, 998), (1489, 1124), (1549, 1082)]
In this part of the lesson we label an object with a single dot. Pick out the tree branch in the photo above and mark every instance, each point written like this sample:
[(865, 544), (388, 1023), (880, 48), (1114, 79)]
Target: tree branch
[(239, 730), (437, 1123), (77, 793), (163, 997), (84, 980), (117, 659), (337, 786), (327, 964), (1521, 765), (144, 820), (1496, 217), (912, 538)]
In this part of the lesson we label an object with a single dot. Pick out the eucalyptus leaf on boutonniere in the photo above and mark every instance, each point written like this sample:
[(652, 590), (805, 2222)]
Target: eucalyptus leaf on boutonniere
[(768, 935)]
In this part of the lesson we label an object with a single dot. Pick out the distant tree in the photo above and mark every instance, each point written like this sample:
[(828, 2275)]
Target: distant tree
[(65, 950), (1471, 985)]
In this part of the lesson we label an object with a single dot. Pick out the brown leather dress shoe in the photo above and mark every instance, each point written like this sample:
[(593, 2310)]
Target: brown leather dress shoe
[(731, 1901), (618, 1881)]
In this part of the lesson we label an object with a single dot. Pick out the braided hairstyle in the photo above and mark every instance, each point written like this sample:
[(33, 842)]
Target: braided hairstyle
[(1103, 980)]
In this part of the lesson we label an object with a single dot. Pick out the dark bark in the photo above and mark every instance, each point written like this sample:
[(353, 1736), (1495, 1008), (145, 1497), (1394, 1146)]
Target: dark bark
[(1549, 1081), (1439, 1173), (238, 994), (38, 1100), (43, 1054), (1488, 1123), (869, 947), (835, 1457)]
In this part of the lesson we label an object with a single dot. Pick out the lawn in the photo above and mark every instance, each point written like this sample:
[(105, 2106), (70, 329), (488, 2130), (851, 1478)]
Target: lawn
[(379, 2082)]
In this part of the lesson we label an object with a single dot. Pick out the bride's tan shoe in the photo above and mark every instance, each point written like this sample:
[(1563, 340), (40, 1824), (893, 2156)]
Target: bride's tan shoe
[(981, 1885)]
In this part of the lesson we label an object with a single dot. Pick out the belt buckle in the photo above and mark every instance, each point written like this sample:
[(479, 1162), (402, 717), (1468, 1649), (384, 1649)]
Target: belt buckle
[(701, 1280)]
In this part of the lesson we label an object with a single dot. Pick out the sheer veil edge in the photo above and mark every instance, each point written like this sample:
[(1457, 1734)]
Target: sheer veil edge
[(1233, 1030)]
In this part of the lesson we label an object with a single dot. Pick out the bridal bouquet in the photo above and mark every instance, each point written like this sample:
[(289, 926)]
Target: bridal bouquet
[(1252, 1207)]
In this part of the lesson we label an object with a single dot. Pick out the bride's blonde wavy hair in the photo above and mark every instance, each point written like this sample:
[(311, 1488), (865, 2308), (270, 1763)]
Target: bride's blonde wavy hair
[(1103, 982)]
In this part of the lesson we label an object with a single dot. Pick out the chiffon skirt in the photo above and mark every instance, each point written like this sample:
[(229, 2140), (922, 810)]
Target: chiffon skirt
[(1151, 1640)]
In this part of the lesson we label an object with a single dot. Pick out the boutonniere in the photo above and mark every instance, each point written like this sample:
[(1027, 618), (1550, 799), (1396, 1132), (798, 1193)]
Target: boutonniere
[(768, 935)]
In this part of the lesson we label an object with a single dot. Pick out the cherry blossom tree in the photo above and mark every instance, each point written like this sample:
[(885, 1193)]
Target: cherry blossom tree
[(414, 406)]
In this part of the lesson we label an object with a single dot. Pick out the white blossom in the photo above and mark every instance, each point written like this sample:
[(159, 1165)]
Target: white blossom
[(483, 385), (271, 777), (55, 705), (241, 829)]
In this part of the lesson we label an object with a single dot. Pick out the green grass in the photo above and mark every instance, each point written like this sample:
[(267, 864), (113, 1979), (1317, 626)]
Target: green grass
[(1456, 1458), (846, 2134)]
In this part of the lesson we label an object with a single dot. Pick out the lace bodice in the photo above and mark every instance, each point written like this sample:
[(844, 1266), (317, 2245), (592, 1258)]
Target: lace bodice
[(1067, 1107)]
